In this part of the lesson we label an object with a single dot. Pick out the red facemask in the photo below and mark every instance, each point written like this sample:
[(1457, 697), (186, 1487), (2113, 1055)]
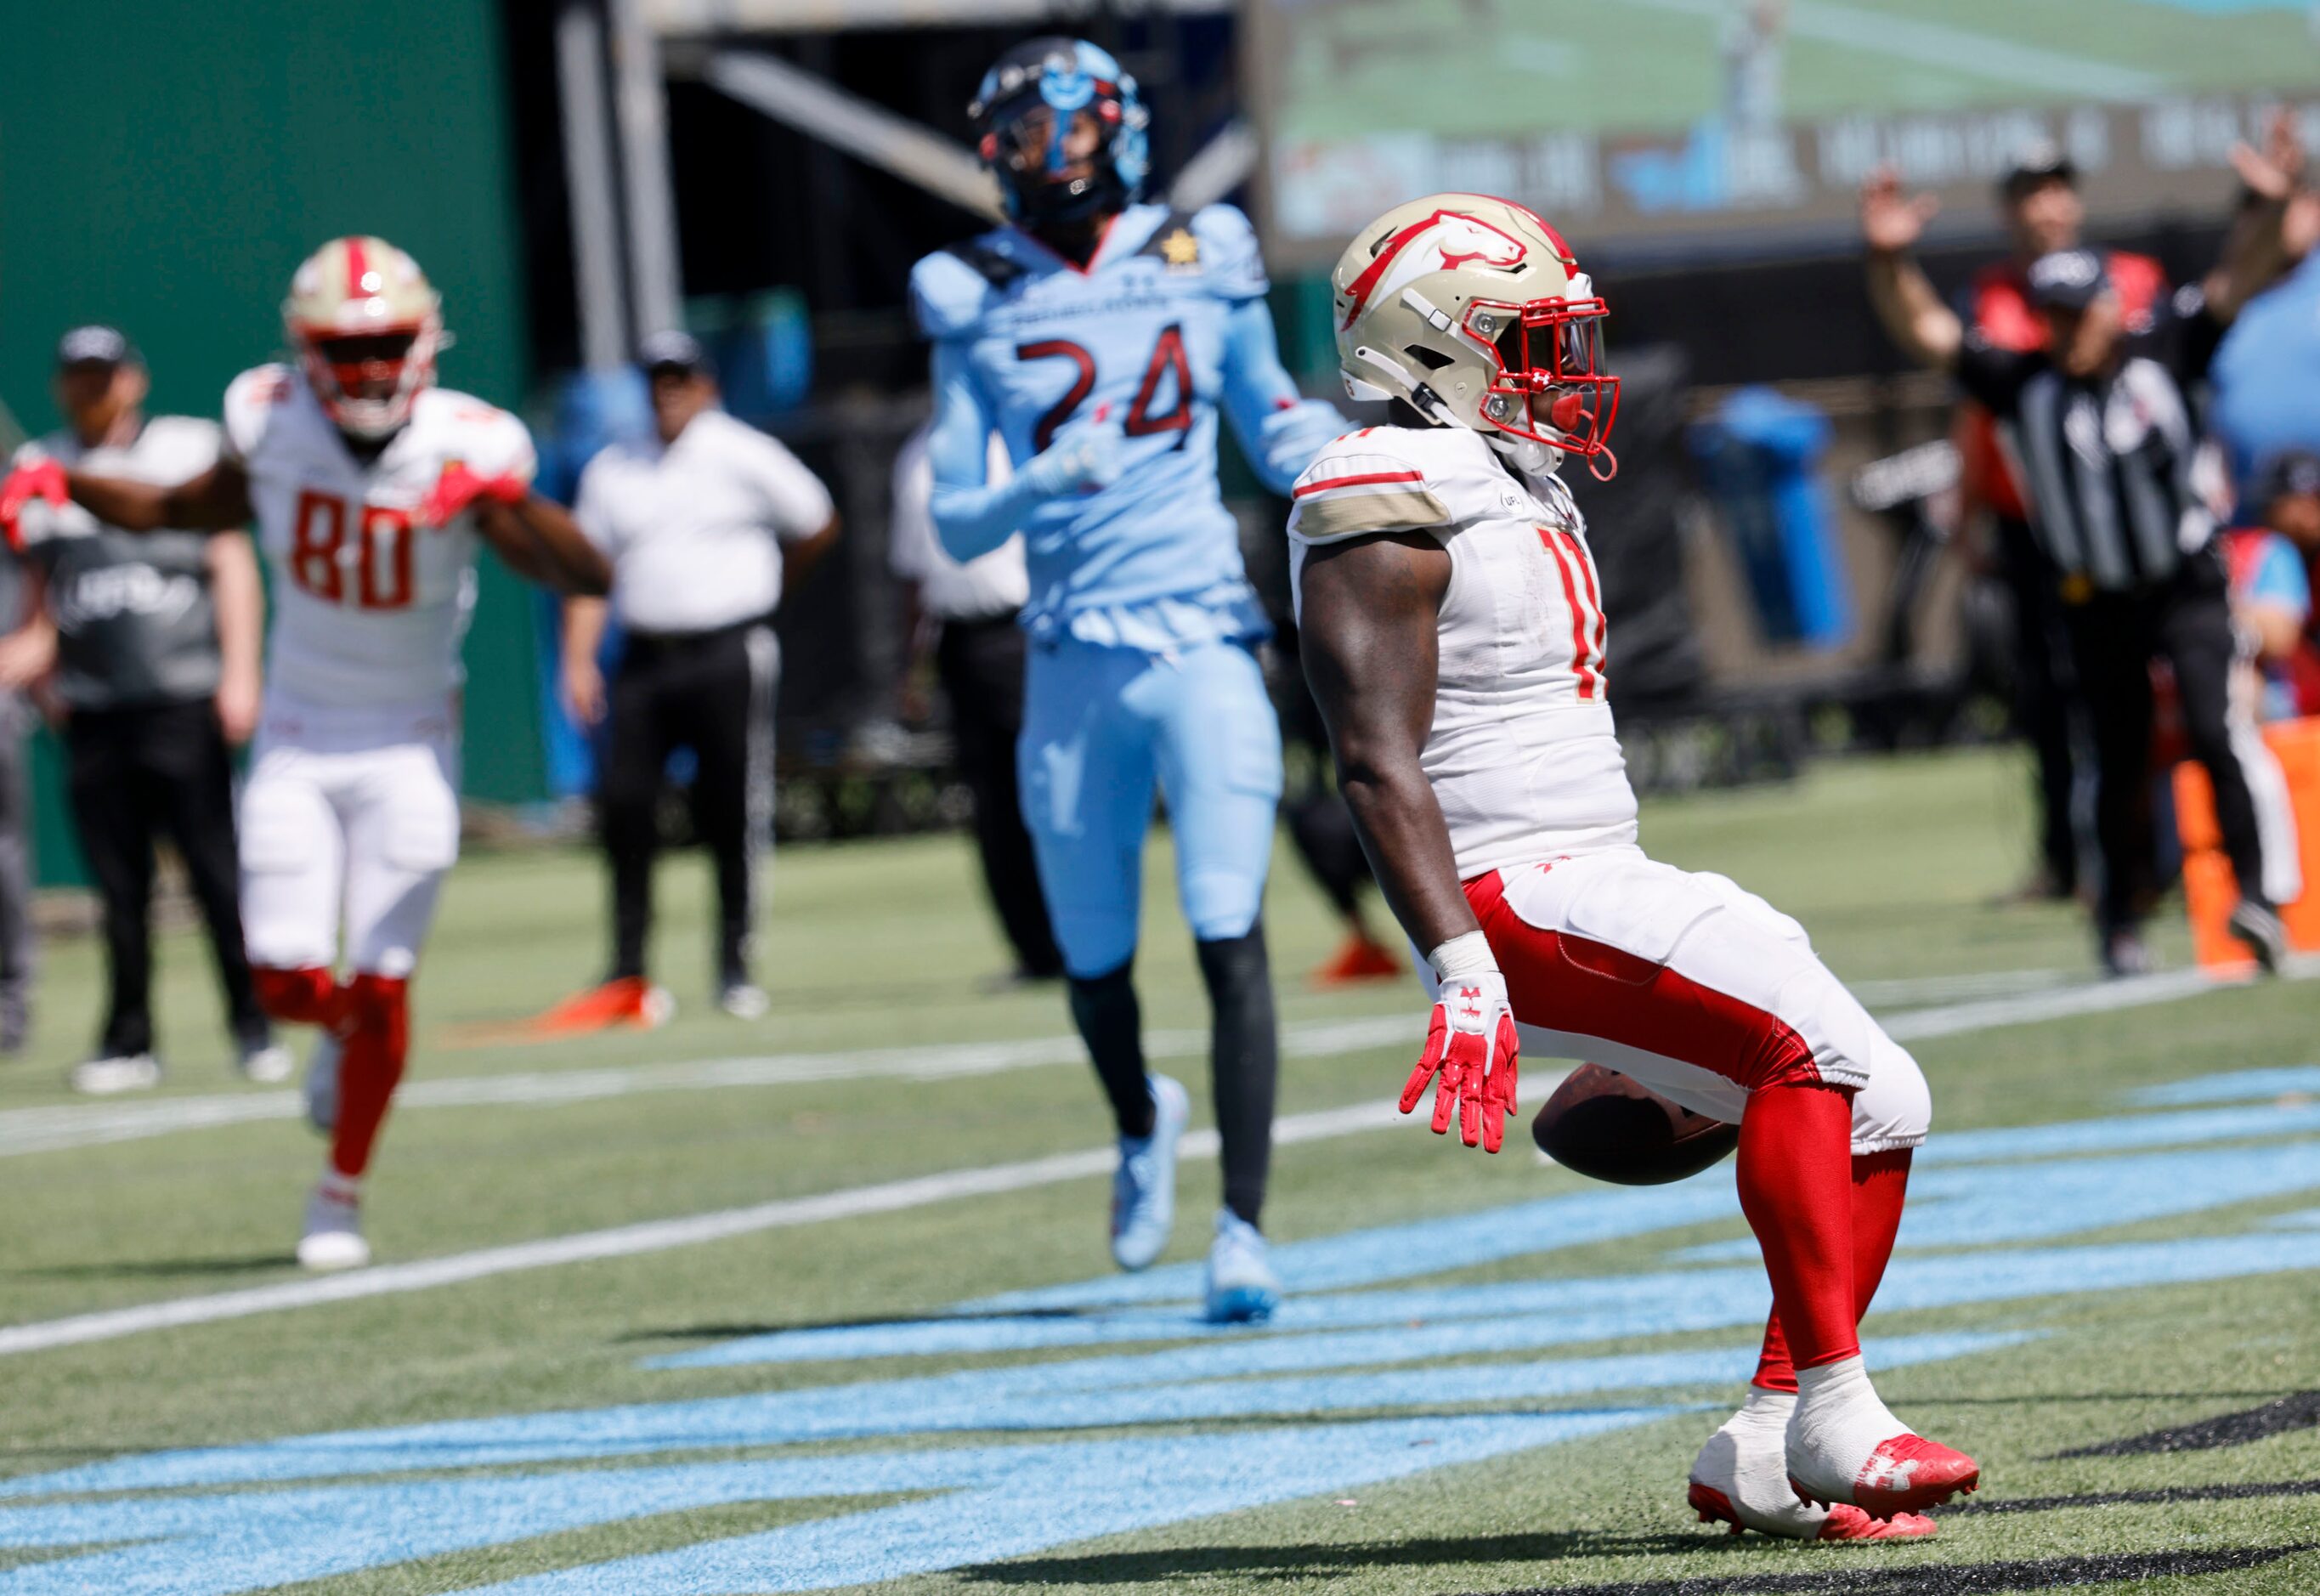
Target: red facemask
[(1551, 385)]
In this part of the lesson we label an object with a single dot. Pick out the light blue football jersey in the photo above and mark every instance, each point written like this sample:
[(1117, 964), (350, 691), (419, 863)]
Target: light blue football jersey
[(1144, 338)]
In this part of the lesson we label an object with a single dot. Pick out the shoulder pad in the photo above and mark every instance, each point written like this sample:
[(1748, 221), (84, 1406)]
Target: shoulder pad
[(250, 401), (489, 440), (1366, 482), (1229, 251), (950, 288)]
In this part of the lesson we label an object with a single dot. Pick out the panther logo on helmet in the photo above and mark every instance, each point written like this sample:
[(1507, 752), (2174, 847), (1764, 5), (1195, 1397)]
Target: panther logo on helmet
[(1444, 241), (1474, 311)]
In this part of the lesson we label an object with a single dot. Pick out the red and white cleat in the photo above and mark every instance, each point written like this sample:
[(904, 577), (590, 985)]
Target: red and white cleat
[(1842, 1522), (1741, 1476), (1741, 1479), (1844, 1446), (1847, 1522)]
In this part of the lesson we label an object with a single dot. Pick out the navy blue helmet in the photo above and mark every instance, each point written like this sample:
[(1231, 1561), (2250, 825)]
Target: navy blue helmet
[(1028, 109)]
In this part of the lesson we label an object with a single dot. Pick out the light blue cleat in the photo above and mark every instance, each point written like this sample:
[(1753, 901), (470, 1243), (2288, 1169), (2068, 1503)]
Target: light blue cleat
[(1144, 1191), (1242, 1287)]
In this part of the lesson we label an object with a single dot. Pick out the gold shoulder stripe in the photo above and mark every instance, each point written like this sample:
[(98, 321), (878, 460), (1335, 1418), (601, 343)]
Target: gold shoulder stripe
[(1321, 519)]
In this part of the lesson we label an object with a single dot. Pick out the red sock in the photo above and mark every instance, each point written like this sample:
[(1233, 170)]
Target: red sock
[(308, 996), (1796, 1187), (377, 1041), (1879, 1182)]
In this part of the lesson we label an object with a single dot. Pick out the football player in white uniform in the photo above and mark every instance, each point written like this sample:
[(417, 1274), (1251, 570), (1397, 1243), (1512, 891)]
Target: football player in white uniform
[(1452, 627), (371, 488)]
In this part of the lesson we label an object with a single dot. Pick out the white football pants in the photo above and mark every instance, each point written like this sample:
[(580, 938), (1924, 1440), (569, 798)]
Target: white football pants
[(1689, 984), (352, 816)]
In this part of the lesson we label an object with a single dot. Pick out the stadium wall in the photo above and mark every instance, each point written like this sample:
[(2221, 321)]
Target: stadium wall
[(165, 168)]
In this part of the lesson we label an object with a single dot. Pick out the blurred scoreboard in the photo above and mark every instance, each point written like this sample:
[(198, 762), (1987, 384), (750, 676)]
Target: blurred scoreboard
[(1706, 126)]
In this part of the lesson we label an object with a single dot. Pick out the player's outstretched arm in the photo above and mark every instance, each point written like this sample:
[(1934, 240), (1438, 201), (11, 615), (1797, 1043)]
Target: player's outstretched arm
[(1913, 314), (973, 518), (216, 501), (1366, 631), (539, 541), (1279, 429)]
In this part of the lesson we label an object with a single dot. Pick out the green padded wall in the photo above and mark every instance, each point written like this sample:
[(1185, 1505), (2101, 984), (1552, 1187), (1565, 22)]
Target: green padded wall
[(165, 166)]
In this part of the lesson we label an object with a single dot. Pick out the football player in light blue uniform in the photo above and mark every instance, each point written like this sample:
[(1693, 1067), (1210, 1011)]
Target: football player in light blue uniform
[(1099, 337)]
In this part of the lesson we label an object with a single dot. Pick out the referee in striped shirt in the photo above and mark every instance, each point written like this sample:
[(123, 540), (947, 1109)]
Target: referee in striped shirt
[(2101, 424)]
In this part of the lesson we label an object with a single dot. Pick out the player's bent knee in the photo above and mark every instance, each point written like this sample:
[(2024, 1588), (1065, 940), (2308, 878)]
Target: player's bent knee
[(1094, 945), (285, 941), (1896, 1108), (1223, 904)]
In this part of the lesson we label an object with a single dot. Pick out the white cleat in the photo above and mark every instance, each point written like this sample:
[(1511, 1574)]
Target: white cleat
[(1741, 1479), (1844, 1446), (109, 1077), (1144, 1190), (1242, 1287), (322, 1090), (743, 999), (333, 1238), (269, 1065)]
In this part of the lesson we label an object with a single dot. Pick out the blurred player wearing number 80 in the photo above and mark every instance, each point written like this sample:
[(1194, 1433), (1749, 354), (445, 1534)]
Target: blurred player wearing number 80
[(1099, 337), (1452, 633), (371, 488)]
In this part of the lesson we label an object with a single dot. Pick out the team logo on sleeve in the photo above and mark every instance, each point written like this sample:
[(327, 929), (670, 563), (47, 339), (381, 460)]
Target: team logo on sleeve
[(1443, 242)]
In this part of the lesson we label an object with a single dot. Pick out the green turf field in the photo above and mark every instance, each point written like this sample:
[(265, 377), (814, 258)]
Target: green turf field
[(1504, 69), (1492, 1377)]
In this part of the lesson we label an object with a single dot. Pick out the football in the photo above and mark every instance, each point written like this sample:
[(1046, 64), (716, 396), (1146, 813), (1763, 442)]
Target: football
[(1607, 1128)]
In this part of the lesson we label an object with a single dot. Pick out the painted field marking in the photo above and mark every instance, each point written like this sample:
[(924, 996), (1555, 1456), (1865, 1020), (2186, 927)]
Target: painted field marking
[(2004, 998), (650, 1235), (80, 1125), (661, 1235)]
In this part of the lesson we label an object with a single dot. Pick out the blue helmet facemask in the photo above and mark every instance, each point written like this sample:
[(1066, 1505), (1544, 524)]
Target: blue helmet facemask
[(1051, 82)]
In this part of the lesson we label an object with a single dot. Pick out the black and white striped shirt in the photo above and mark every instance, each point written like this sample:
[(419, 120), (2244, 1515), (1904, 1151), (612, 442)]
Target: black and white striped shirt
[(2109, 462)]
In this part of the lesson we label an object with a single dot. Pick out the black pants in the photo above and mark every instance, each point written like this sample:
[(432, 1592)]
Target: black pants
[(980, 666), (711, 692), (2114, 637), (137, 774), (2043, 694)]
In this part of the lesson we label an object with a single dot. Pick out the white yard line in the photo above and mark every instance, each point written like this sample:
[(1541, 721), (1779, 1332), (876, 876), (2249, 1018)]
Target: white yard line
[(651, 1237), (661, 1235), (2001, 998), (2103, 997), (80, 1125), (1906, 990)]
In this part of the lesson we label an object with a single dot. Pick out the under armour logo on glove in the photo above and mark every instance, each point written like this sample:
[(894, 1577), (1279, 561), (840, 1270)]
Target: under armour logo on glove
[(458, 488), (1471, 1047), (37, 480)]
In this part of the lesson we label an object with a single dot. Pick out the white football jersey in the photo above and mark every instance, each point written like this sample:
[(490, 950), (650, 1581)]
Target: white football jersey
[(369, 607), (1522, 754)]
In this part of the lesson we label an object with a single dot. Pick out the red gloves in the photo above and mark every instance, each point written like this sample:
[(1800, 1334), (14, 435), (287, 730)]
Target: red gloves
[(1471, 1044), (37, 478), (459, 488)]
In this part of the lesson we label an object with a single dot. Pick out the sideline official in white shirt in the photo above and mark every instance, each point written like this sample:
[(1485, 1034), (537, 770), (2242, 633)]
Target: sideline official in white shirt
[(703, 525)]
